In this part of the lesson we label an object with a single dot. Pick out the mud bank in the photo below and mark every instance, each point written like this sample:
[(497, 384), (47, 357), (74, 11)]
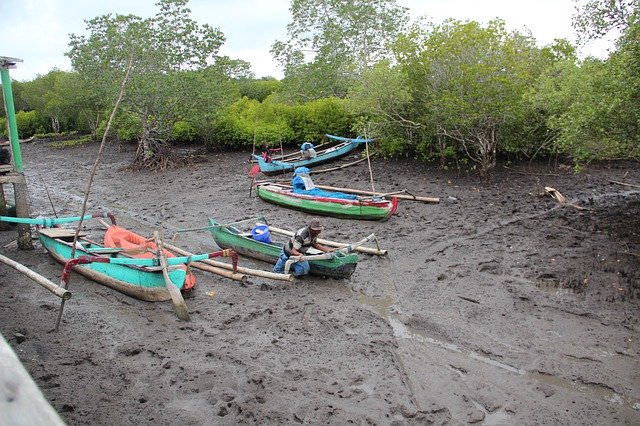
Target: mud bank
[(496, 306)]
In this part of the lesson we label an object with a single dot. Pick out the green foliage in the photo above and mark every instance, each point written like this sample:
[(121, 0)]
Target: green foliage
[(69, 143), (60, 135), (467, 83), (127, 127), (247, 121), (183, 132), (260, 89), (167, 56), (320, 116), (332, 41), (592, 107), (382, 102), (596, 18), (29, 123)]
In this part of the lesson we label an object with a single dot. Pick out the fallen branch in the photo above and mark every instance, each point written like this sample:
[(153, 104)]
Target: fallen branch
[(624, 184), (468, 299), (556, 195)]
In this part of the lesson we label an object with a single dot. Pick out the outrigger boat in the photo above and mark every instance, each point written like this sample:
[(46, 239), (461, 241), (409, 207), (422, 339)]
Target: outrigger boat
[(343, 147), (358, 207), (238, 236), (114, 267)]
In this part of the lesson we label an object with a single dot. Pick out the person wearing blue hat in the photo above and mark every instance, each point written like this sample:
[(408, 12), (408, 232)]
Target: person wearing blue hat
[(307, 151), (301, 180), (303, 239)]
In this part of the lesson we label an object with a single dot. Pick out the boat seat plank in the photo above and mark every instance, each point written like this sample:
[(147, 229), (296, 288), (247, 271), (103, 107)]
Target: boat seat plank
[(60, 232)]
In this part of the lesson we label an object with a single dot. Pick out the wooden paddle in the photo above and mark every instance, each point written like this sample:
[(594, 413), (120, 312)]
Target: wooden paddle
[(176, 297)]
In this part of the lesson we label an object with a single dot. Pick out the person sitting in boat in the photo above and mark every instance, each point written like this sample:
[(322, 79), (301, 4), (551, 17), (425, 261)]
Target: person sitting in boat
[(303, 239), (267, 151), (307, 151), (301, 181), (303, 184)]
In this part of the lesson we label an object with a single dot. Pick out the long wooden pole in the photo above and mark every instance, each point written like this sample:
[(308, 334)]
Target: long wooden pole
[(123, 84), (247, 271), (62, 293), (219, 271), (373, 188), (361, 192), (360, 249)]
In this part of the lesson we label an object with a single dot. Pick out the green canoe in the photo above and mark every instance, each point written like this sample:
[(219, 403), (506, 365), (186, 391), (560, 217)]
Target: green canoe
[(240, 239), (367, 208)]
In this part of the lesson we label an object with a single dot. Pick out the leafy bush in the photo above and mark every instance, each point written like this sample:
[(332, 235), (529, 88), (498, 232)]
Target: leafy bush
[(29, 123), (183, 132)]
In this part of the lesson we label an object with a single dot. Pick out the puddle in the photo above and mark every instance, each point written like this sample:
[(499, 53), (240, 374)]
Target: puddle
[(497, 418)]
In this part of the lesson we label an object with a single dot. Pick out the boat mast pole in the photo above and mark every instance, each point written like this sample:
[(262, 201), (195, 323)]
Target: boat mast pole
[(373, 188)]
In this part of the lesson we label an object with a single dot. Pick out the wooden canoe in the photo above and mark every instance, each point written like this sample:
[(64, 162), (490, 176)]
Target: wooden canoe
[(335, 152), (140, 278), (239, 238), (367, 208), (140, 282)]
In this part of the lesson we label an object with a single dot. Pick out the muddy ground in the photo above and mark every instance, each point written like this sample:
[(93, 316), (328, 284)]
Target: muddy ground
[(495, 306)]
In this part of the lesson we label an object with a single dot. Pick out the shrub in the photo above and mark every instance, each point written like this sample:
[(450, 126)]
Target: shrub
[(183, 132)]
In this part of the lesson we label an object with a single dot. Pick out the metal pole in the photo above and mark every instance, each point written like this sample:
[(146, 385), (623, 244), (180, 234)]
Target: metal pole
[(11, 119)]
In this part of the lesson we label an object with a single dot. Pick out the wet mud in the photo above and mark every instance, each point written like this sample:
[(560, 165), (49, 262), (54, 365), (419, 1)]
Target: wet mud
[(495, 306)]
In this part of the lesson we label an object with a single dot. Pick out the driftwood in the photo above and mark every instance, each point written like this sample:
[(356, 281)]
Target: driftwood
[(631, 185), (556, 195), (241, 270), (361, 249)]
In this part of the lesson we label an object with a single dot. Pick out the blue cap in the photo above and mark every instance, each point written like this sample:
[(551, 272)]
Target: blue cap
[(301, 170)]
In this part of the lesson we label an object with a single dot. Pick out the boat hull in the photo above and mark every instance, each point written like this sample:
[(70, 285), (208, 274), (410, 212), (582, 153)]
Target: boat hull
[(336, 207), (225, 237), (336, 152), (135, 281)]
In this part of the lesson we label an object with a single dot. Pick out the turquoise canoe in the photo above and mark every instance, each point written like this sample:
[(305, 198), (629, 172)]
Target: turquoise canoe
[(341, 149), (140, 278), (366, 208), (235, 236)]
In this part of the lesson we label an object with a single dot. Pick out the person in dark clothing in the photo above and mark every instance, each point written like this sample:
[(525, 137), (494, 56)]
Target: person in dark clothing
[(267, 151), (298, 245)]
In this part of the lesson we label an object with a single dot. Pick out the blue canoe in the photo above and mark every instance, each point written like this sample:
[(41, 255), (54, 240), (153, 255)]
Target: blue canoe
[(344, 147)]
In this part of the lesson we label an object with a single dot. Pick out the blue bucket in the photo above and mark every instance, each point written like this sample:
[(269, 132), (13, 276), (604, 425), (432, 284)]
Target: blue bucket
[(261, 233)]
